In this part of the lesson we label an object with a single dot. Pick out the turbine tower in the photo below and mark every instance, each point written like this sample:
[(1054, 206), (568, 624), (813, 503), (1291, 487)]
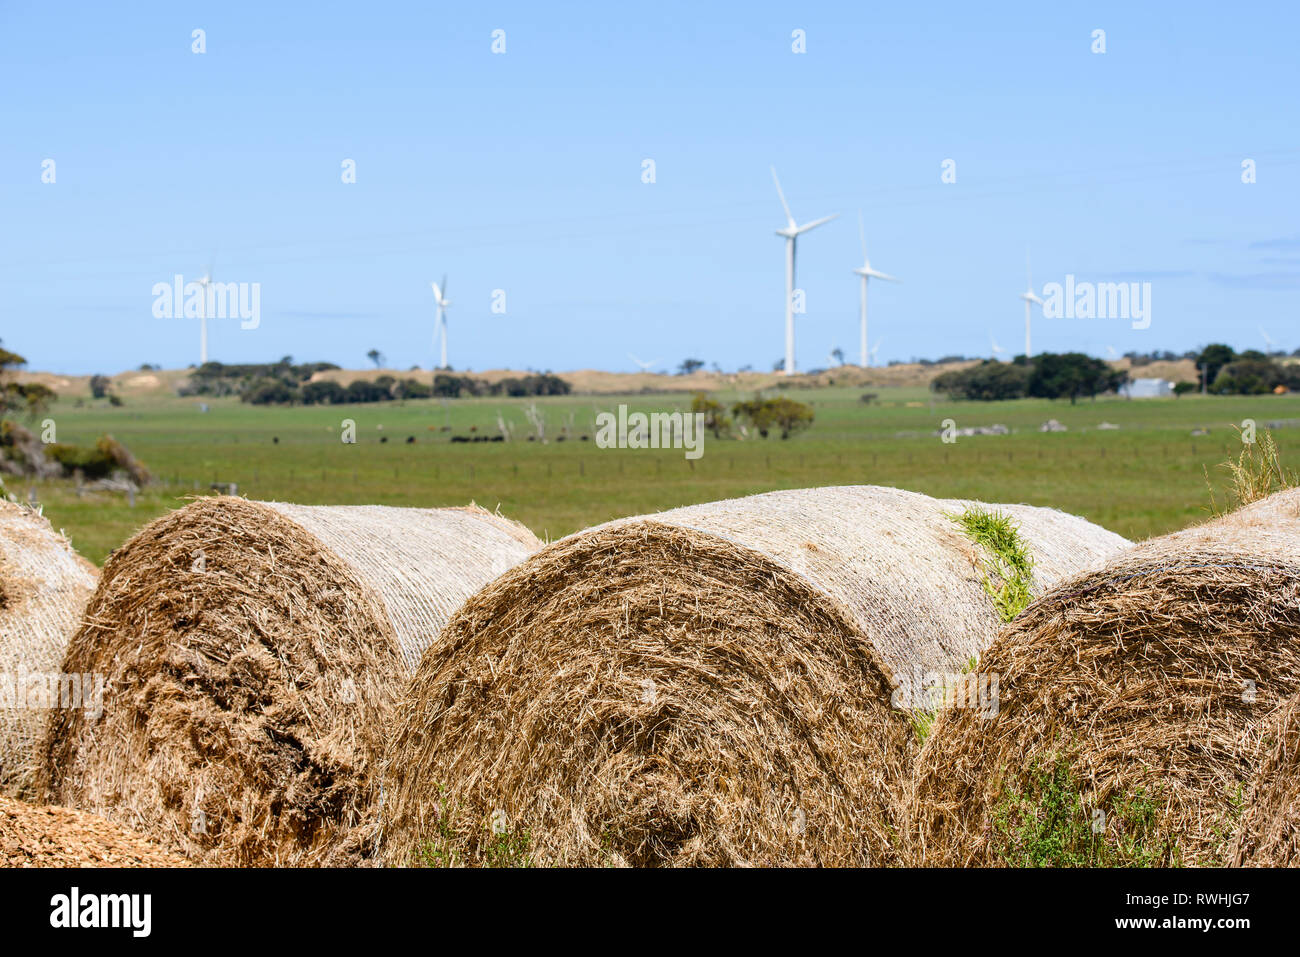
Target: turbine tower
[(203, 284), (440, 295), (791, 233), (866, 272), (1030, 297)]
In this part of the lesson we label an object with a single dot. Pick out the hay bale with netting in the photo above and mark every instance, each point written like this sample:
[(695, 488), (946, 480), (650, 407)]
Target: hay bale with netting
[(44, 587), (253, 653), (1133, 701), (708, 685), (1269, 835), (43, 836)]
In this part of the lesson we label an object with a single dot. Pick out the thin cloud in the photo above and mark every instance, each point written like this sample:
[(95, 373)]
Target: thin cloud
[(309, 314), (1277, 279), (1292, 242)]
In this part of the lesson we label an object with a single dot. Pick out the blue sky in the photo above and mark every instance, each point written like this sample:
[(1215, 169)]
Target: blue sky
[(522, 172)]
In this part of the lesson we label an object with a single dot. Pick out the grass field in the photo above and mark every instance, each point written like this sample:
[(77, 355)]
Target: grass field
[(1145, 478)]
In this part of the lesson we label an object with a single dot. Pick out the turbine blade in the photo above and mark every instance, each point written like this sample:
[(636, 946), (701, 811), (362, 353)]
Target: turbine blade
[(815, 223), (784, 205)]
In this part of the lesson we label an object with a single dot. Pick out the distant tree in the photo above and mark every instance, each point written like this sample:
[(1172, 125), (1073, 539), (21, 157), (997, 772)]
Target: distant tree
[(1253, 373), (450, 386), (1184, 387), (412, 389), (1071, 375), (690, 365), (716, 419), (780, 413), (1214, 357), (987, 382), (323, 392), (377, 357), (838, 355), (32, 398), (99, 386), (10, 361), (269, 391), (363, 390)]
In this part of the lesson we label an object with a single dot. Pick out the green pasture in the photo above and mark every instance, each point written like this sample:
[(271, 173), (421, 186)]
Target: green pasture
[(1146, 477)]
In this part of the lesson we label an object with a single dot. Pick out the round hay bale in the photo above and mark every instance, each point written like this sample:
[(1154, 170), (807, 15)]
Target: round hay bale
[(708, 685), (253, 653), (1269, 835), (32, 836), (1132, 704), (44, 587)]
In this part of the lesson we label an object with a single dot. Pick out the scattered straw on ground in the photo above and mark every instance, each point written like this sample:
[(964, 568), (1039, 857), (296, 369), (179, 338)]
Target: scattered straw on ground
[(33, 836), (710, 685)]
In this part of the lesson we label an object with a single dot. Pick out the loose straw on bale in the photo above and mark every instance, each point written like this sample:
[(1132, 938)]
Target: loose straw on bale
[(44, 586), (254, 652), (709, 685), (1269, 835), (1147, 682), (32, 836)]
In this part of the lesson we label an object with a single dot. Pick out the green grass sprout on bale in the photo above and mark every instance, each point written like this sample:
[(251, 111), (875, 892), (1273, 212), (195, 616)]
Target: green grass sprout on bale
[(922, 719), (1008, 559), (1046, 823), (1255, 474), (499, 846)]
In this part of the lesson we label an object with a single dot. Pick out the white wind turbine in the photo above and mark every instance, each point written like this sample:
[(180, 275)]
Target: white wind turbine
[(1030, 297), (866, 272), (440, 295), (997, 349), (203, 285), (1269, 345), (791, 233), (644, 366)]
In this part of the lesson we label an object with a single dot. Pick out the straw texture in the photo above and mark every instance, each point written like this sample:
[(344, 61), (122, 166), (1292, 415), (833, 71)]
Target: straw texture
[(44, 587), (1270, 826), (253, 653), (1152, 678), (708, 685)]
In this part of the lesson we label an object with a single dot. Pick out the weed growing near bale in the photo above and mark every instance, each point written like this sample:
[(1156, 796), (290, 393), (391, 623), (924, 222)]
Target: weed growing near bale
[(1009, 558), (497, 846), (1255, 474), (1046, 823)]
